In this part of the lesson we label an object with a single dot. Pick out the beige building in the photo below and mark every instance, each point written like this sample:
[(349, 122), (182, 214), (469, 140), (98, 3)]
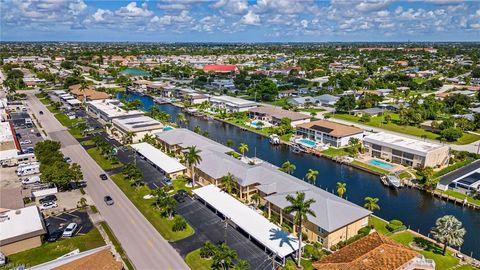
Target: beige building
[(406, 151), (336, 219), (274, 115), (21, 229), (138, 126)]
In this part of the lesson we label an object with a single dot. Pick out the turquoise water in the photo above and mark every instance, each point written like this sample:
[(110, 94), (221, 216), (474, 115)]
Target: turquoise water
[(134, 72), (381, 164), (254, 124), (308, 142), (167, 128)]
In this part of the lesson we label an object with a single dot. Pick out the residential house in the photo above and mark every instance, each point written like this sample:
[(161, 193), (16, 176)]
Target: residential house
[(406, 151), (274, 115), (288, 93), (327, 100), (138, 126), (231, 104), (466, 178), (327, 132), (88, 94), (109, 109), (221, 68)]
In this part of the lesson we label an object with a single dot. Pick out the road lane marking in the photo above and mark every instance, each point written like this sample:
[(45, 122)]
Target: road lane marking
[(133, 221)]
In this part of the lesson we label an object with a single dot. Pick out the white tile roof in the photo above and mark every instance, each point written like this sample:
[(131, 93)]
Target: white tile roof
[(157, 157)]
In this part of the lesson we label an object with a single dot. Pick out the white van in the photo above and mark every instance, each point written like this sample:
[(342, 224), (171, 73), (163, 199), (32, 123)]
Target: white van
[(28, 170), (31, 180), (27, 164)]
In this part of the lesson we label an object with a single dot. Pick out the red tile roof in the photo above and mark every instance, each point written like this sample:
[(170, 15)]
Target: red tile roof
[(220, 68)]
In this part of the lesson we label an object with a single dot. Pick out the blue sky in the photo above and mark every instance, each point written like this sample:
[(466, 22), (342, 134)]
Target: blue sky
[(240, 20)]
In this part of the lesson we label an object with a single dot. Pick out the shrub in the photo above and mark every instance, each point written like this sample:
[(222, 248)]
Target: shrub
[(311, 252), (207, 250), (394, 225), (27, 200), (179, 224), (364, 230)]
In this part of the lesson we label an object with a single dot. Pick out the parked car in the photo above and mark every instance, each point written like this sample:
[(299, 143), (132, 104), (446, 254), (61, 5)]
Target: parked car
[(167, 181), (38, 134), (40, 112), (68, 160), (70, 230), (48, 205), (54, 236), (181, 195), (31, 180), (103, 176), (77, 185), (48, 198), (29, 150), (108, 200), (25, 142)]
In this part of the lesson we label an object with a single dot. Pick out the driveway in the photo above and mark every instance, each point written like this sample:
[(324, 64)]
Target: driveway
[(145, 247), (210, 226)]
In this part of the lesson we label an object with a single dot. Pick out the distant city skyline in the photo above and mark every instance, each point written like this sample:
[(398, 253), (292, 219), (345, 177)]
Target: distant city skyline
[(240, 20)]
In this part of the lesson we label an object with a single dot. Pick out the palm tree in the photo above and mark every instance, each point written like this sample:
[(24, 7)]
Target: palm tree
[(242, 265), (193, 158), (256, 199), (181, 119), (243, 148), (449, 231), (168, 206), (160, 195), (148, 138), (312, 176), (83, 87), (371, 204), (341, 189), (301, 208), (224, 257), (128, 137), (228, 182), (288, 167)]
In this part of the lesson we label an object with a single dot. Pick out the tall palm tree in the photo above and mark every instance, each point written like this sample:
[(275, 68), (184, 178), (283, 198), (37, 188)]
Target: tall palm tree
[(228, 182), (224, 257), (341, 189), (312, 176), (371, 204), (243, 148), (181, 119), (301, 208), (168, 206), (288, 167), (256, 199), (128, 137), (193, 158), (83, 87), (449, 231)]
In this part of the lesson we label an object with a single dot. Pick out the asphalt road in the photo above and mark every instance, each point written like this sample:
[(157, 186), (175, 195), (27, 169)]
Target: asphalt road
[(145, 247)]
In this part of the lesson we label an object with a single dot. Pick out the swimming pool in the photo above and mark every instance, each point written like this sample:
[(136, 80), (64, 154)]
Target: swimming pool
[(381, 164), (307, 142), (255, 124), (167, 128)]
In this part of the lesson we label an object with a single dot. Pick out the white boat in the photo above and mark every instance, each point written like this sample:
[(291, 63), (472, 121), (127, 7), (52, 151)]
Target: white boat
[(392, 180), (274, 139), (297, 149)]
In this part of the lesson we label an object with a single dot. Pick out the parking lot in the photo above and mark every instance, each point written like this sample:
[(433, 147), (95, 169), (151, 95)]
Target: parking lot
[(60, 221), (211, 227), (27, 133)]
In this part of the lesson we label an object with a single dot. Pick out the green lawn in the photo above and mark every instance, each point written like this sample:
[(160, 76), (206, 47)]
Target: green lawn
[(52, 109), (335, 152), (194, 261), (87, 143), (44, 101), (103, 162), (370, 167), (378, 121), (180, 183), (76, 133), (51, 251), (432, 251), (65, 121), (378, 224), (163, 225), (116, 244)]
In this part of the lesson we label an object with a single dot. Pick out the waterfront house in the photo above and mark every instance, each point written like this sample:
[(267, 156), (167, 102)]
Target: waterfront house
[(336, 219), (406, 151), (231, 104), (139, 126), (109, 109), (221, 68), (464, 178), (274, 115), (88, 94), (327, 132), (374, 252), (327, 100)]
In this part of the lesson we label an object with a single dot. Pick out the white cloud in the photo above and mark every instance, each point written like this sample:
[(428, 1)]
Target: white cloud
[(383, 13), (231, 7), (250, 18), (132, 10), (372, 5), (444, 2)]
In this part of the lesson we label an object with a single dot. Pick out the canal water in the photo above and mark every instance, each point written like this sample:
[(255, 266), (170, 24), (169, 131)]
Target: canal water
[(415, 208)]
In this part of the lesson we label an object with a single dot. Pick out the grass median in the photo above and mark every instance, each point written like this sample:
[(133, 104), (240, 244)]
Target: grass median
[(51, 251), (194, 261), (162, 225), (67, 122)]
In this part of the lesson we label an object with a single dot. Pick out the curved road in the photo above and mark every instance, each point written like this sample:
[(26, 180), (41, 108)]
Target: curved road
[(145, 247)]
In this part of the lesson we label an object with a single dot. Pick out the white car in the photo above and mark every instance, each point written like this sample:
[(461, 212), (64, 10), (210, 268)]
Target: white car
[(25, 142), (70, 230), (48, 205)]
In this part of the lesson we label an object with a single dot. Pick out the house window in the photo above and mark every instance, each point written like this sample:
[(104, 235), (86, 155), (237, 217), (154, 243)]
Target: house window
[(376, 147), (320, 239)]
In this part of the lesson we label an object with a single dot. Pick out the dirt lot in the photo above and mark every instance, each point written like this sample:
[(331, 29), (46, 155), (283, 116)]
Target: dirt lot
[(9, 178)]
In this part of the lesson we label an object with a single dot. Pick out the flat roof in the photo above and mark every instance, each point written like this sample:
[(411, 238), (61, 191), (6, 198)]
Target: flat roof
[(112, 108), (418, 147), (261, 229), (331, 128), (234, 101), (157, 157), (136, 124), (20, 224), (460, 173), (6, 134), (74, 101), (280, 113)]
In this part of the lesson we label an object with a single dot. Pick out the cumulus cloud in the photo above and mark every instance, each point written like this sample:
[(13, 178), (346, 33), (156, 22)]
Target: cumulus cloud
[(250, 18), (132, 10)]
